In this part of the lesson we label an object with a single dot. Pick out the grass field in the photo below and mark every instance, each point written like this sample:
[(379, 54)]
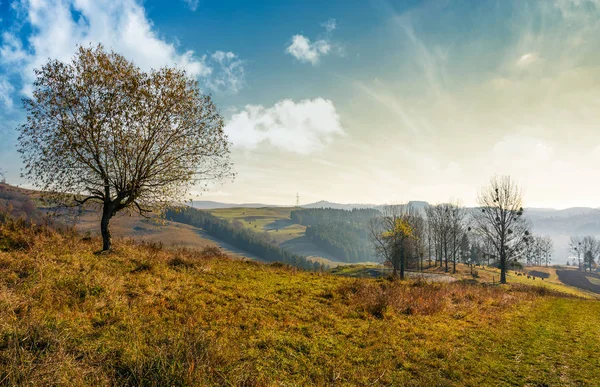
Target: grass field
[(274, 220), (144, 315)]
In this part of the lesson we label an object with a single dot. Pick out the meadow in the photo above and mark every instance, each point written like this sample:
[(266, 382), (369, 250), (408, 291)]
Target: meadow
[(147, 315)]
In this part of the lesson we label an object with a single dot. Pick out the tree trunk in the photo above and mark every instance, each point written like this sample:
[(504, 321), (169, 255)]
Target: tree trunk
[(107, 213), (502, 268), (402, 265), (446, 258)]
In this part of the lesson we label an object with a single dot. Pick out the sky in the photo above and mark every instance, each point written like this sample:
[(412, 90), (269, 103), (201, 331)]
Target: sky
[(354, 101)]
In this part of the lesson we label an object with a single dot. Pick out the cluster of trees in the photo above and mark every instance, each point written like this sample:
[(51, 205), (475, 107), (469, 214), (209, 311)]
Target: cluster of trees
[(538, 251), (341, 233), (495, 231), (239, 237), (317, 216), (586, 249), (398, 237), (447, 239), (347, 242)]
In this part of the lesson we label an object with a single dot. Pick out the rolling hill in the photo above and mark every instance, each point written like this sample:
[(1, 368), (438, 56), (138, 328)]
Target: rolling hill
[(146, 315)]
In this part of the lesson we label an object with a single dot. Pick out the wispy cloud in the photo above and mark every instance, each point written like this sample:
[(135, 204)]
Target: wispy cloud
[(527, 59), (231, 74), (330, 25), (390, 103), (6, 91), (192, 4)]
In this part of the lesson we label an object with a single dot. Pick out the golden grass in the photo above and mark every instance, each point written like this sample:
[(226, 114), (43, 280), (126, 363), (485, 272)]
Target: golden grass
[(487, 274), (144, 315)]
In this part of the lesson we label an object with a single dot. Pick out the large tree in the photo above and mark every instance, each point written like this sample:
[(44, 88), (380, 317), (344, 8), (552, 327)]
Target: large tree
[(99, 129), (499, 220)]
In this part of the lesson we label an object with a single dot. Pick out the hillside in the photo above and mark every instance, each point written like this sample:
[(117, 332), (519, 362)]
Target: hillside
[(144, 315), (559, 225), (276, 223)]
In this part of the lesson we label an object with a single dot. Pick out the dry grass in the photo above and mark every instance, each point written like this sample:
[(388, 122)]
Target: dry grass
[(150, 316)]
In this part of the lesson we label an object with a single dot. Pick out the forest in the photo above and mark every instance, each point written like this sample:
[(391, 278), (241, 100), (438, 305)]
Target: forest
[(342, 233), (241, 238)]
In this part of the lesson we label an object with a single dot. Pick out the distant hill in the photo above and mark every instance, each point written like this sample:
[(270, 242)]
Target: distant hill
[(338, 206), (559, 225), (211, 205)]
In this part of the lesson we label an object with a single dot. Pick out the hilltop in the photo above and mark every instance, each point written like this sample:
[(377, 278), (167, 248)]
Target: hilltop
[(146, 315)]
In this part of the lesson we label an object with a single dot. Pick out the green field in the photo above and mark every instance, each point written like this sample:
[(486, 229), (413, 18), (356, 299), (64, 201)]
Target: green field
[(274, 220)]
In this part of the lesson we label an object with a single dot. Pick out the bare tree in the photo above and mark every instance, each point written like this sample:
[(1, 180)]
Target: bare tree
[(576, 249), (457, 228), (446, 226), (419, 227), (101, 130), (546, 249), (499, 220), (590, 247)]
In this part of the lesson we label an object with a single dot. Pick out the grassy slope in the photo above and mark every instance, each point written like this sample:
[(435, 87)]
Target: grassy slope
[(276, 221), (149, 316), (157, 231)]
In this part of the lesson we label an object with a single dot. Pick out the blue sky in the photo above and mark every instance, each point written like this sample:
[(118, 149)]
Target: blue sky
[(354, 101)]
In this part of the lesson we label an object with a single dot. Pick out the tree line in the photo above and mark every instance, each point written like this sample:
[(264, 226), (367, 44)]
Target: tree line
[(317, 216), (444, 234), (586, 250), (241, 238)]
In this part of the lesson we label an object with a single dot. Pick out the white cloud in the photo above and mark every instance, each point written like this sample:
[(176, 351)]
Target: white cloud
[(231, 75), (330, 25), (58, 26), (301, 127), (304, 50), (6, 90), (192, 4)]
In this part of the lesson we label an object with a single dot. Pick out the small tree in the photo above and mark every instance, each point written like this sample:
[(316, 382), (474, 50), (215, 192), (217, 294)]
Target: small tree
[(101, 130), (499, 220), (394, 238)]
